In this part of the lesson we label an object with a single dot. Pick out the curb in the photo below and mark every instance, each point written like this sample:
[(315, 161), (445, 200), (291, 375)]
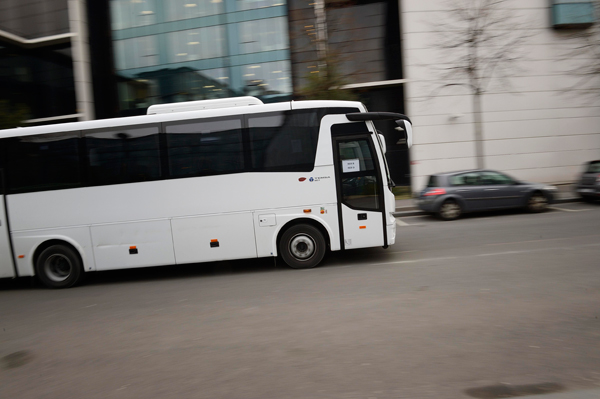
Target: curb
[(414, 211)]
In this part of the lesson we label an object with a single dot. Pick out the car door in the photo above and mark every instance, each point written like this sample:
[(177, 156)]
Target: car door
[(500, 190), (359, 187), (468, 187)]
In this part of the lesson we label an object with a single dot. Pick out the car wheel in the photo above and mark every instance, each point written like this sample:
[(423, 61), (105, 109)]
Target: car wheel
[(537, 203), (450, 210), (59, 266), (302, 246)]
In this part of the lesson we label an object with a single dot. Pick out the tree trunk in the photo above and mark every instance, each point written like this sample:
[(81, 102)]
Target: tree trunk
[(478, 130)]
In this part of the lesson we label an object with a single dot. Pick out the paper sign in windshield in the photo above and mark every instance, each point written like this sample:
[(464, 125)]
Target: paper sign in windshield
[(350, 165)]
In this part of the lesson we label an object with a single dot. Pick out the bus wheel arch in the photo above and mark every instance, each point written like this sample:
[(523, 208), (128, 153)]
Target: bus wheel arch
[(303, 243), (58, 264)]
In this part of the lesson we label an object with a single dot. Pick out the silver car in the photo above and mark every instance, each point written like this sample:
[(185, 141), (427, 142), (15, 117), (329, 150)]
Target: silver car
[(448, 195), (588, 186)]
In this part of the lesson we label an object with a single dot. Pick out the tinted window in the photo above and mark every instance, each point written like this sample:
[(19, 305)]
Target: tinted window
[(283, 141), (205, 147), (43, 162), (491, 178), (123, 155), (466, 179), (433, 181), (593, 167)]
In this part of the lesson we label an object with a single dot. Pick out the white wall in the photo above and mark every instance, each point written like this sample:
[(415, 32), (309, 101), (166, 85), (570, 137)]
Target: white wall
[(536, 129)]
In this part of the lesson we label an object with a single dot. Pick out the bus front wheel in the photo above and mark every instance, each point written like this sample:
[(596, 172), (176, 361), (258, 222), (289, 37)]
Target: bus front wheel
[(59, 266), (302, 246)]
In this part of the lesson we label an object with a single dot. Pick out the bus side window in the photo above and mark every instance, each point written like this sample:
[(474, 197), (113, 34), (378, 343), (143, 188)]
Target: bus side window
[(43, 162), (123, 155), (283, 141), (205, 147)]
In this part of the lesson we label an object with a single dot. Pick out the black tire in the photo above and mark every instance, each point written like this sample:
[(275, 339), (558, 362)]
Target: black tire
[(59, 266), (449, 210), (537, 203), (302, 246)]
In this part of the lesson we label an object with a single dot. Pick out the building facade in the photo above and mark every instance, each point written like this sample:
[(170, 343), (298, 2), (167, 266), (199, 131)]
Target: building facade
[(202, 49), (44, 61), (540, 116)]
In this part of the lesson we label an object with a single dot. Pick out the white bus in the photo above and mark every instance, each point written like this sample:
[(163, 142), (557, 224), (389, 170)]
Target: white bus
[(194, 182)]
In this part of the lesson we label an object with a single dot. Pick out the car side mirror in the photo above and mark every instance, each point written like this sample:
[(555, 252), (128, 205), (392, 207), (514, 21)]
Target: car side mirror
[(406, 127)]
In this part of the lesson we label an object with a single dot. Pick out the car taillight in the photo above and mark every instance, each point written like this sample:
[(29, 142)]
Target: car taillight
[(435, 191)]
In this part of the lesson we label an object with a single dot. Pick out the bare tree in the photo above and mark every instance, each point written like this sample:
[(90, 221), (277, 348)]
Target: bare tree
[(478, 40)]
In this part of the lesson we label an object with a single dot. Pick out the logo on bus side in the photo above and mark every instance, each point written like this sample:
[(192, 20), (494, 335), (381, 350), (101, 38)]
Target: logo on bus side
[(311, 179)]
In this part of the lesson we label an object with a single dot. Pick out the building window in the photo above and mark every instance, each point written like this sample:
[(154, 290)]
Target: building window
[(132, 13), (572, 13), (196, 44), (267, 78), (263, 35), (254, 4), (136, 53), (176, 10)]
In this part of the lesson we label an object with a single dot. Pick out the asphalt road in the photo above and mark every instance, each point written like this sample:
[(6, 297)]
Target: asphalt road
[(488, 306)]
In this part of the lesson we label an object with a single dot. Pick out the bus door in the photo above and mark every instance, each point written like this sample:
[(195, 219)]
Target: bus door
[(359, 187), (7, 268)]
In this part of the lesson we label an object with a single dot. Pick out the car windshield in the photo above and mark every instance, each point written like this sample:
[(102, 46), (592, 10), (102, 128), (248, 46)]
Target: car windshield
[(593, 167)]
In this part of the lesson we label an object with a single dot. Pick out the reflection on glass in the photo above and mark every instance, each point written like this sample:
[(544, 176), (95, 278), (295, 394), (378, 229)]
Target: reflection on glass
[(132, 13), (263, 35), (283, 141), (196, 44), (185, 9), (45, 162), (254, 4), (202, 148), (123, 155), (270, 78), (137, 52)]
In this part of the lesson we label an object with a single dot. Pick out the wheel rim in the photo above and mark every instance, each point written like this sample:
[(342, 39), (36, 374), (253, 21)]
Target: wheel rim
[(450, 210), (58, 267), (302, 247), (538, 202)]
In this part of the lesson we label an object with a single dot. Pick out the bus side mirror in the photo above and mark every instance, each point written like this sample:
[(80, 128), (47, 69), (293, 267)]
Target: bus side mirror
[(406, 127), (382, 141)]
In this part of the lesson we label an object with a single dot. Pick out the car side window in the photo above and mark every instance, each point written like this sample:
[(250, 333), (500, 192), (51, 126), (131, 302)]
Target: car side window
[(465, 179), (593, 167), (489, 178)]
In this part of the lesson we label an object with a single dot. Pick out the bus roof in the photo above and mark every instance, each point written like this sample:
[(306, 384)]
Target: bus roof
[(177, 116)]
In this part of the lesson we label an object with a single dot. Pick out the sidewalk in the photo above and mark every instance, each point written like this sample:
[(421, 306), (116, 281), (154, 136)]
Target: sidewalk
[(565, 193)]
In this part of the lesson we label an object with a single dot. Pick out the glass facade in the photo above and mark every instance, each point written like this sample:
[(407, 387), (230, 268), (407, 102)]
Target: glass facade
[(185, 50)]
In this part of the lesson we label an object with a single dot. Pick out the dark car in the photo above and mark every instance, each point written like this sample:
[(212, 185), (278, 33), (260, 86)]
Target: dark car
[(588, 186), (449, 195)]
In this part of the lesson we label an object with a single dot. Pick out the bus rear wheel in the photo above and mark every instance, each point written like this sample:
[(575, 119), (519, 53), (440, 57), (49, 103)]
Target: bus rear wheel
[(59, 266), (302, 246)]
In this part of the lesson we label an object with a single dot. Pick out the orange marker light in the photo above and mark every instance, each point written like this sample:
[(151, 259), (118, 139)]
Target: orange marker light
[(307, 210), (21, 256), (132, 247), (362, 227), (214, 240)]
